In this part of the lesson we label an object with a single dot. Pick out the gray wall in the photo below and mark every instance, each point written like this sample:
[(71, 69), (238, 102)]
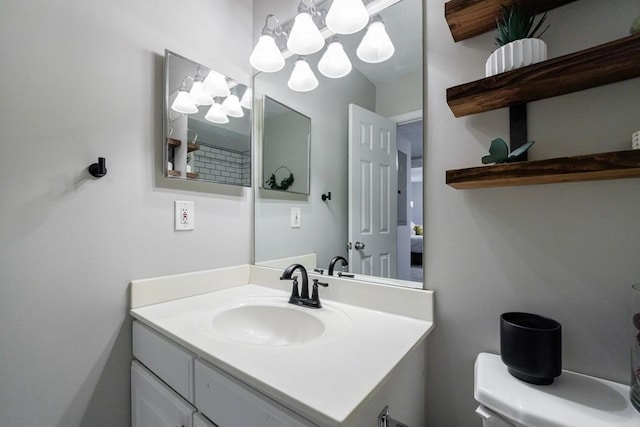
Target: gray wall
[(399, 96), (568, 251), (416, 212), (82, 79)]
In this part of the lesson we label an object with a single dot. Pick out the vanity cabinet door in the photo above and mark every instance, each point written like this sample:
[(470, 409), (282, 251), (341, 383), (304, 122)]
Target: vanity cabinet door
[(229, 403), (164, 358), (154, 404)]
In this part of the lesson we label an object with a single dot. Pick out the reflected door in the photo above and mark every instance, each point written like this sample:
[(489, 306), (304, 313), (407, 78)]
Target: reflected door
[(373, 193)]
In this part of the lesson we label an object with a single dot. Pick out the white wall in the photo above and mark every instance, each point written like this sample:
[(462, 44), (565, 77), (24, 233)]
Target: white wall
[(568, 251), (82, 79)]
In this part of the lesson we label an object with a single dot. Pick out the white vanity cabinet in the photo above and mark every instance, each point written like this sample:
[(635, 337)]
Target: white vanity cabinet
[(163, 394), (370, 355)]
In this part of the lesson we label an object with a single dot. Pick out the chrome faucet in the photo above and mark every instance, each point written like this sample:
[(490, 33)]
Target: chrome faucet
[(334, 260), (302, 298)]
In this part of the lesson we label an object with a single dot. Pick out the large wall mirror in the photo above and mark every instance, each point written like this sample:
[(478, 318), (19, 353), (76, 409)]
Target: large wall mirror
[(376, 104), (207, 124)]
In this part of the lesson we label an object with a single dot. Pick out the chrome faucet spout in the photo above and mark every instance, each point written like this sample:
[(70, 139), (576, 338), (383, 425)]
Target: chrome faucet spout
[(334, 261)]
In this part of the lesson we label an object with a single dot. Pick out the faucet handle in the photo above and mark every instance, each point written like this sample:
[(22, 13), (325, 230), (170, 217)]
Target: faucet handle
[(315, 297), (295, 296), (317, 282), (319, 270)]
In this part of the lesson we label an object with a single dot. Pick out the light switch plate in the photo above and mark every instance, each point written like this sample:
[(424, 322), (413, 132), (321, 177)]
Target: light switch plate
[(185, 216), (295, 217)]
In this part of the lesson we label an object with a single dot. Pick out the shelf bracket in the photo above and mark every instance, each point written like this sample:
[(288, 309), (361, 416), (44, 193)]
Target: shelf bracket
[(518, 129)]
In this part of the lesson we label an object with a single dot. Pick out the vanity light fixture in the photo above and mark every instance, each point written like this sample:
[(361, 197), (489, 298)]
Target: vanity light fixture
[(182, 103), (305, 37), (334, 62), (231, 105), (197, 94), (302, 78), (343, 17), (216, 115), (266, 55), (247, 99), (376, 45), (216, 84), (347, 16)]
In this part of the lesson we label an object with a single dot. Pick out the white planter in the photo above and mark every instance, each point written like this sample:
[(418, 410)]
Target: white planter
[(516, 54)]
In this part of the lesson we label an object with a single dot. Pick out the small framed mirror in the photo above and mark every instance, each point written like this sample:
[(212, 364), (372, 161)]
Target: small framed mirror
[(207, 131), (286, 144)]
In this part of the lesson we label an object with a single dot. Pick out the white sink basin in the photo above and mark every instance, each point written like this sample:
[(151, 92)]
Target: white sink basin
[(269, 323)]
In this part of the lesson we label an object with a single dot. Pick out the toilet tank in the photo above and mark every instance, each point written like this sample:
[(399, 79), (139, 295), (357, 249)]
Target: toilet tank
[(572, 400)]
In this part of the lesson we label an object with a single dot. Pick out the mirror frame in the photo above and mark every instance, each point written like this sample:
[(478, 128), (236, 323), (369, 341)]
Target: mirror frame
[(169, 142), (263, 116)]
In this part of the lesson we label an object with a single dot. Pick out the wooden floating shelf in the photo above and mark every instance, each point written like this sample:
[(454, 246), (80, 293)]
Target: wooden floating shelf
[(173, 173), (192, 175), (614, 165), (469, 18), (173, 143), (607, 63)]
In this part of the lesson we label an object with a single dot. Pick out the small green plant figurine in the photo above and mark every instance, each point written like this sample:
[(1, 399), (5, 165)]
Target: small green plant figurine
[(499, 152), (516, 23)]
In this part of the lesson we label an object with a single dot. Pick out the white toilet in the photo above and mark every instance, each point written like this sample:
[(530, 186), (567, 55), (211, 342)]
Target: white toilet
[(573, 400)]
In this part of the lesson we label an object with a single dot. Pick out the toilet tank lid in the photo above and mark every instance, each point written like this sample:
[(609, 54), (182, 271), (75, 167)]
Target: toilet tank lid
[(572, 400)]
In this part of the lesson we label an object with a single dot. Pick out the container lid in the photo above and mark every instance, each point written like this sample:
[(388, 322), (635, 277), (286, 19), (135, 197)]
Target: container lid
[(572, 400)]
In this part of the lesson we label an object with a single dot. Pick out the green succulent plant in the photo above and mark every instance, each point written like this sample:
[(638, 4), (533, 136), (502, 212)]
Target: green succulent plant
[(515, 23)]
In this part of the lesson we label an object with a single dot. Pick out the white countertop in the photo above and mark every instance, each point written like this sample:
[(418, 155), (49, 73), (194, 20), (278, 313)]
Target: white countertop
[(325, 380)]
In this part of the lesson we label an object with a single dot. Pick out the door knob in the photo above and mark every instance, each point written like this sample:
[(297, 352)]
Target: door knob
[(359, 246)]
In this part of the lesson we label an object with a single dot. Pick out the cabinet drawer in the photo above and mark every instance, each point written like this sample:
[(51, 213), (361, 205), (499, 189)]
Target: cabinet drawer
[(229, 403), (153, 404), (170, 362)]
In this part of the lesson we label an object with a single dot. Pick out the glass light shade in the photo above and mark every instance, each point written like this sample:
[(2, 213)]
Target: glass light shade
[(376, 46), (305, 37), (302, 78), (198, 95), (182, 103), (216, 85), (266, 56), (347, 16), (335, 62), (247, 99), (216, 115), (231, 106)]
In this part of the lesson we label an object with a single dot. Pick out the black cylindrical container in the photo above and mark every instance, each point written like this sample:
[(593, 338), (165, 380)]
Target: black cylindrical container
[(531, 347)]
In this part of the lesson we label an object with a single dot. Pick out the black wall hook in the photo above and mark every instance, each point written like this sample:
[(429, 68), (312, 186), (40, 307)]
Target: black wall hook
[(98, 169), (326, 197)]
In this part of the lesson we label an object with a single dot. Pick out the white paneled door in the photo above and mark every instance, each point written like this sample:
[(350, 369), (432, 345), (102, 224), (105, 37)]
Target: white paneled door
[(373, 193)]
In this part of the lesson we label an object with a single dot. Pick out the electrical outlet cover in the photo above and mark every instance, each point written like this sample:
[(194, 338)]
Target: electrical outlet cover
[(185, 219)]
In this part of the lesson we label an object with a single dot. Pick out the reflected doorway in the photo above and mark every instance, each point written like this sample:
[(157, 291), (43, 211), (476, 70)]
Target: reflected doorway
[(410, 200)]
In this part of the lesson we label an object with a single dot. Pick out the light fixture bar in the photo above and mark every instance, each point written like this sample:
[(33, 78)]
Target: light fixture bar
[(373, 7)]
